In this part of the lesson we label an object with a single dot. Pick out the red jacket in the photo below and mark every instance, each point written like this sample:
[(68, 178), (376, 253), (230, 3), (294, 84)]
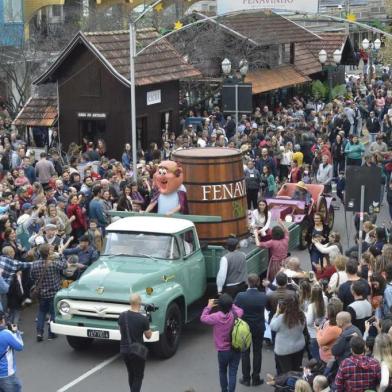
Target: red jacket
[(80, 221)]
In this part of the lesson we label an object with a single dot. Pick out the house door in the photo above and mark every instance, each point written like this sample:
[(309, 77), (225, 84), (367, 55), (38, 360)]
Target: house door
[(92, 130)]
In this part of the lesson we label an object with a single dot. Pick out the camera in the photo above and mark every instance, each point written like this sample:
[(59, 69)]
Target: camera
[(150, 308), (12, 327)]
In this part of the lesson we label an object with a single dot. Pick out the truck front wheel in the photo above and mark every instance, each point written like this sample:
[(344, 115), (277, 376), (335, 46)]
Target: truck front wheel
[(79, 344), (170, 339)]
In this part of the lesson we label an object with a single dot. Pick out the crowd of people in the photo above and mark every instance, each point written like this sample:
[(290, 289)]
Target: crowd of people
[(54, 210)]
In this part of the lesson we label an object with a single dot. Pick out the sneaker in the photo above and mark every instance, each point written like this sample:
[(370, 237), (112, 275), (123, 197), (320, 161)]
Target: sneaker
[(39, 338), (52, 336)]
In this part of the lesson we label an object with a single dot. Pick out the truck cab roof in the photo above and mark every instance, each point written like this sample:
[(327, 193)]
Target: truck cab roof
[(148, 224)]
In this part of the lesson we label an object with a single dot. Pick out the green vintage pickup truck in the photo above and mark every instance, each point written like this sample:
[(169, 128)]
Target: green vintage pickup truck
[(161, 259)]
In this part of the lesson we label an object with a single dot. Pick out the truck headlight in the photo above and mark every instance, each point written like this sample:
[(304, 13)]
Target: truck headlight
[(64, 307)]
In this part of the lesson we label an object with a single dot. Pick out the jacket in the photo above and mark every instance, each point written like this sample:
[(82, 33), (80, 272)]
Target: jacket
[(341, 349), (358, 373), (223, 324), (326, 337), (253, 302), (8, 343)]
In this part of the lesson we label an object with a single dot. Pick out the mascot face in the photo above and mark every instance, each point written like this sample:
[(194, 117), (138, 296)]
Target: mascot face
[(168, 177)]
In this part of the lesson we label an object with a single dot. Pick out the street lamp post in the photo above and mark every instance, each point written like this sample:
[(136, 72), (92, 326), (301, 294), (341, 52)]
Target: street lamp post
[(132, 56), (234, 79), (337, 58), (372, 50)]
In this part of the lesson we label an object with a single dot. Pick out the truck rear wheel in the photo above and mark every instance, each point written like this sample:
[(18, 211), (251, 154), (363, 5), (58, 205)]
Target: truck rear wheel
[(170, 339), (79, 344)]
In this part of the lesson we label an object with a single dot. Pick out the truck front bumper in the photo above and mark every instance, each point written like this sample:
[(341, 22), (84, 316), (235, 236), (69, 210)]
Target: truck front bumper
[(73, 330)]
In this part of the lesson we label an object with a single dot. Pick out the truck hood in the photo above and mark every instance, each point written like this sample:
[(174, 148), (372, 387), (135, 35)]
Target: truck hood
[(114, 278)]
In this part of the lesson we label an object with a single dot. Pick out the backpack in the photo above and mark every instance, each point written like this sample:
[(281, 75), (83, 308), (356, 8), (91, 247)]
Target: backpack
[(241, 337)]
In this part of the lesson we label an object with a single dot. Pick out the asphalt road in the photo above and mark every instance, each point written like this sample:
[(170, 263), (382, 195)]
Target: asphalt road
[(54, 366)]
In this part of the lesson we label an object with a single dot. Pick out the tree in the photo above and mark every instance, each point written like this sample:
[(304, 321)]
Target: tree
[(19, 66)]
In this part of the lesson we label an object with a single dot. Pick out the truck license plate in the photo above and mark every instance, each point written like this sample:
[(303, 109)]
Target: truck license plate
[(96, 333)]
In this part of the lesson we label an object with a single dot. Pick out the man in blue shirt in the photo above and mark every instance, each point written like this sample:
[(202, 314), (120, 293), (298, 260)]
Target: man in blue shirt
[(10, 341), (95, 210), (85, 252)]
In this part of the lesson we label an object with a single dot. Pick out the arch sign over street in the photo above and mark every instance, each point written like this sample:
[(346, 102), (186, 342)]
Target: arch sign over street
[(225, 6)]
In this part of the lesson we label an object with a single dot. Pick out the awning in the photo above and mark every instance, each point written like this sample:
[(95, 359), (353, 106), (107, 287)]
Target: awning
[(272, 79), (38, 112)]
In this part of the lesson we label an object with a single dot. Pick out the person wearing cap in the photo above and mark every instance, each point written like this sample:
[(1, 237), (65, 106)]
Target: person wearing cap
[(232, 274), (86, 253), (48, 235), (10, 341)]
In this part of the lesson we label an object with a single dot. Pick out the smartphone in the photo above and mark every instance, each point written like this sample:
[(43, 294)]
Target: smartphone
[(371, 319)]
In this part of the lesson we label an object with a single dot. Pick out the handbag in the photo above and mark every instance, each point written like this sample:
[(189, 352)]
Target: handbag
[(36, 288), (135, 348)]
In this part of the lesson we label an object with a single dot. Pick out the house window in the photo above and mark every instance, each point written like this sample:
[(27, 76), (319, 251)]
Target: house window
[(13, 11)]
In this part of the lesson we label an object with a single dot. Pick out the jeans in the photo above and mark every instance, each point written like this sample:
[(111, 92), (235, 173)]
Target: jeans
[(231, 360), (45, 306), (316, 257), (314, 349), (135, 367), (257, 344), (10, 384)]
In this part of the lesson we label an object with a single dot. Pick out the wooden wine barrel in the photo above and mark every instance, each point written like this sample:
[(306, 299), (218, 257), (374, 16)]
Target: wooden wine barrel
[(215, 183)]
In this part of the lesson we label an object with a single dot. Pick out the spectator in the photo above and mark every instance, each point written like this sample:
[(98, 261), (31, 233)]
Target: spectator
[(315, 315), (344, 292), (328, 332), (76, 216), (288, 322), (383, 353), (358, 372), (253, 302), (360, 309), (320, 384), (341, 348), (44, 170), (10, 341), (222, 321), (46, 274)]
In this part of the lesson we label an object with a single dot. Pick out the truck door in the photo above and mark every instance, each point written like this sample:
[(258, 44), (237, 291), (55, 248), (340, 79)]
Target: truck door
[(195, 269)]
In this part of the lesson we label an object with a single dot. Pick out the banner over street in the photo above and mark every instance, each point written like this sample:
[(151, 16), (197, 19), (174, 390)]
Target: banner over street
[(225, 6)]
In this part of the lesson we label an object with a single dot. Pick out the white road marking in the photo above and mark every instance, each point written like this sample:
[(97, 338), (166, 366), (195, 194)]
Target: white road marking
[(89, 373)]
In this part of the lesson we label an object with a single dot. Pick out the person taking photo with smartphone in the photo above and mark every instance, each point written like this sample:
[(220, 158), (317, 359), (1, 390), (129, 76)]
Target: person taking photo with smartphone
[(10, 341)]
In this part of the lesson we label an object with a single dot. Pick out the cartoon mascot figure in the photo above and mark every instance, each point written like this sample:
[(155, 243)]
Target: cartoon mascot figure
[(171, 193)]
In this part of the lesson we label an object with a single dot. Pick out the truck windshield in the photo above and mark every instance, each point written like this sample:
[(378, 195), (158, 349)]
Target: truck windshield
[(142, 244)]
